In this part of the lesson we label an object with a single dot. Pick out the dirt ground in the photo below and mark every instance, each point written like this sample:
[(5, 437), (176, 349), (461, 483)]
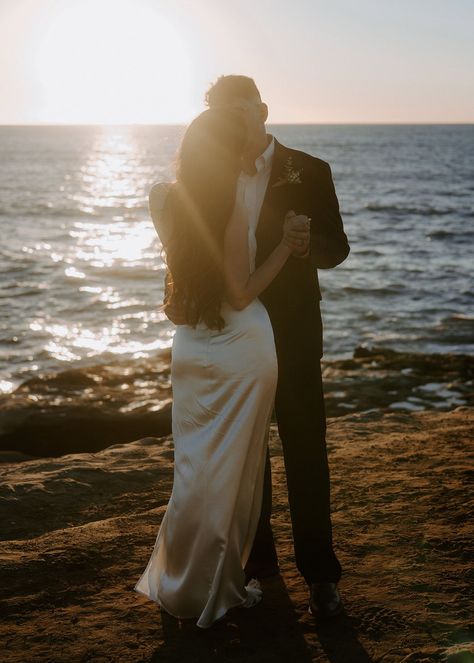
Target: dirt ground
[(78, 530)]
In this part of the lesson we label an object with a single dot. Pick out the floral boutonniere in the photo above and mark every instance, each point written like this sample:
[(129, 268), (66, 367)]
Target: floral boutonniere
[(291, 175)]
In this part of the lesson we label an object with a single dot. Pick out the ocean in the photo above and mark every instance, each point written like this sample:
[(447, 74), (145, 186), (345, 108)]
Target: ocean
[(81, 272)]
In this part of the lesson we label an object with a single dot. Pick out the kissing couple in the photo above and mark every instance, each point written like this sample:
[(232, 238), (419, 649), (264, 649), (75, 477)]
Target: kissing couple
[(244, 228)]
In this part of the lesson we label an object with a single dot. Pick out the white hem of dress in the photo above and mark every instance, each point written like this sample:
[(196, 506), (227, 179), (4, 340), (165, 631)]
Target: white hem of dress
[(158, 602)]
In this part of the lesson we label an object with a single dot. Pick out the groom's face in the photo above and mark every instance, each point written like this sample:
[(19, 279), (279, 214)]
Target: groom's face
[(255, 113)]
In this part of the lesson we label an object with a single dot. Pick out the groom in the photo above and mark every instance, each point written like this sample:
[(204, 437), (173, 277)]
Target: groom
[(278, 180)]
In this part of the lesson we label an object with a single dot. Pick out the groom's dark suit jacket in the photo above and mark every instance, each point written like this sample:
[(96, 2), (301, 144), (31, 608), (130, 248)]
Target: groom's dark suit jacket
[(303, 183)]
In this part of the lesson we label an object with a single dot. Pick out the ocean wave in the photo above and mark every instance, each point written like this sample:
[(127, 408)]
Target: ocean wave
[(441, 234), (391, 289), (449, 234), (455, 329), (23, 292), (416, 211), (59, 212), (459, 319), (130, 273), (367, 252)]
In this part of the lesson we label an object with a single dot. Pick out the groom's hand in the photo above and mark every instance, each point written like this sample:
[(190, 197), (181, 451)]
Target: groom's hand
[(297, 233)]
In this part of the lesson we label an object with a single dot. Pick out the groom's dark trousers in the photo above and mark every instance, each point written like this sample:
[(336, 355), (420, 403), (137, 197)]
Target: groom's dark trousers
[(304, 184)]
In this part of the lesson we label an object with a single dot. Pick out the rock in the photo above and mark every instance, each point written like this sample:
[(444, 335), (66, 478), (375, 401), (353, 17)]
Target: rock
[(87, 409)]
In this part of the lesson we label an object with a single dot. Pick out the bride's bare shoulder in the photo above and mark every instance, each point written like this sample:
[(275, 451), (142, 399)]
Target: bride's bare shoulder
[(158, 193), (156, 200)]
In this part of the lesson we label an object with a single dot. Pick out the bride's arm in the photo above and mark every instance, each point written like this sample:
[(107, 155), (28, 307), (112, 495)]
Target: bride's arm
[(242, 287)]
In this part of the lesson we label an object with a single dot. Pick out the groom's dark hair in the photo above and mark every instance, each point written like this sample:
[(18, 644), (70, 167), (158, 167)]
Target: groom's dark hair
[(229, 88)]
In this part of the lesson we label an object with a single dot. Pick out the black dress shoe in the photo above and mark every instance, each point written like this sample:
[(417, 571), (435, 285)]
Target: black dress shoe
[(324, 600)]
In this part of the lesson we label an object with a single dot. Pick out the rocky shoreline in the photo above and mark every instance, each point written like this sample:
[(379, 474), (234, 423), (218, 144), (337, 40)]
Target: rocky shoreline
[(90, 408)]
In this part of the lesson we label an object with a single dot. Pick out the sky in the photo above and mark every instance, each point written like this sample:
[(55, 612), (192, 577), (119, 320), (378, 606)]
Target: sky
[(321, 61)]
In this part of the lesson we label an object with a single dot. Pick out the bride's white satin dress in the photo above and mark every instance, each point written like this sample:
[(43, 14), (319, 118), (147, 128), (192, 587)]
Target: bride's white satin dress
[(224, 385)]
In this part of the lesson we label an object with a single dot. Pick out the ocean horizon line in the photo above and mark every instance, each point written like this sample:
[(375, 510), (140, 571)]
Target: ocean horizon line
[(182, 124)]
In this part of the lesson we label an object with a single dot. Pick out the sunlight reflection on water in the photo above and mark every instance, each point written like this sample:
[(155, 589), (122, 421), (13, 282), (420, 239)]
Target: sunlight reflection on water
[(81, 265)]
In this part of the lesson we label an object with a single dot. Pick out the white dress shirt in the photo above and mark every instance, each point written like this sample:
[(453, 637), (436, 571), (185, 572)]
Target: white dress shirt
[(251, 188), (251, 191)]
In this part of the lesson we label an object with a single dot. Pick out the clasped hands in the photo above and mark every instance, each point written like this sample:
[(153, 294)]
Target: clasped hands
[(296, 233)]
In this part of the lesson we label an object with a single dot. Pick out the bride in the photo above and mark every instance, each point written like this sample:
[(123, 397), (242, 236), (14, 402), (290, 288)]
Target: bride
[(223, 376)]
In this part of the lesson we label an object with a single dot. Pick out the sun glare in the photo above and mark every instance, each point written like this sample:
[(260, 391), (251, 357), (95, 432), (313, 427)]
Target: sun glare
[(111, 61)]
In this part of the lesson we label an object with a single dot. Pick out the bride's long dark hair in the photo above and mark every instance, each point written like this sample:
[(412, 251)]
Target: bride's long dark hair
[(199, 206)]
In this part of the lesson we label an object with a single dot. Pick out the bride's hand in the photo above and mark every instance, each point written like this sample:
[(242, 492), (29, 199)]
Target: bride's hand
[(296, 232)]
